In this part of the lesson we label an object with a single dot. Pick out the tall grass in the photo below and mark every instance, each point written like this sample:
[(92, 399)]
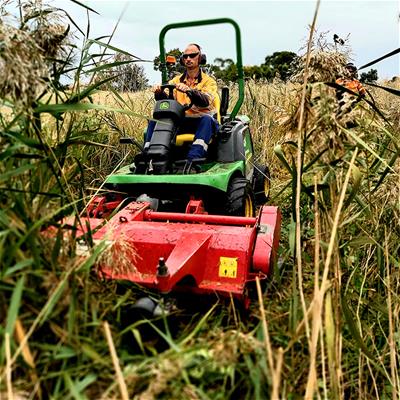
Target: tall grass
[(65, 333)]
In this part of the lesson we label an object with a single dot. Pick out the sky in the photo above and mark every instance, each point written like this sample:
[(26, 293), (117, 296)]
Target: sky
[(372, 27)]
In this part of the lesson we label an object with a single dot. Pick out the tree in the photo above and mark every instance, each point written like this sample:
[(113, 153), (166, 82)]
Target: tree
[(223, 62), (280, 62), (257, 72), (128, 76), (170, 68), (369, 77)]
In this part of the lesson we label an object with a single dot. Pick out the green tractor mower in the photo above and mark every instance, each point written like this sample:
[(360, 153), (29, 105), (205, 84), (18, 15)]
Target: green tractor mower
[(228, 181), (189, 226)]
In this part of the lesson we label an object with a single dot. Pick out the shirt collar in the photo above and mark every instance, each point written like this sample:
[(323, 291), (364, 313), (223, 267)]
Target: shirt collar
[(199, 76)]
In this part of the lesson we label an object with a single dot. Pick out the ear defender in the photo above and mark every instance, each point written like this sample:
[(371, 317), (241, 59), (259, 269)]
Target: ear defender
[(203, 59)]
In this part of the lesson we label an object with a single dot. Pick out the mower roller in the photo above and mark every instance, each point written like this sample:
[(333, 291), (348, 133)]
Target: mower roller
[(189, 226)]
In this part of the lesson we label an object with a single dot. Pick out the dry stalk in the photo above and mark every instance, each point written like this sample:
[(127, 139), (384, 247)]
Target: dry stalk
[(235, 318), (338, 330), (26, 352), (330, 335), (317, 309), (392, 343), (265, 326), (276, 370), (8, 367), (323, 368), (101, 186), (276, 377), (120, 378), (299, 170), (319, 291), (371, 372), (332, 239)]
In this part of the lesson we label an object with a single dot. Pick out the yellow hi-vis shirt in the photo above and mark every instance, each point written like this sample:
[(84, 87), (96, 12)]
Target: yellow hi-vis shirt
[(204, 84)]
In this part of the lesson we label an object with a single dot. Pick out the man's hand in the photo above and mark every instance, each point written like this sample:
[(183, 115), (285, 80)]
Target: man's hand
[(156, 88), (182, 87)]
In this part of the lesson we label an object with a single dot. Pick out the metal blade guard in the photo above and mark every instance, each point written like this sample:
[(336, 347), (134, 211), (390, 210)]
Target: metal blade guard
[(193, 252)]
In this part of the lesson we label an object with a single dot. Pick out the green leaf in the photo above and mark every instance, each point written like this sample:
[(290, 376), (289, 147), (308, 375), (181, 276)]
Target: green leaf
[(78, 107), (88, 91), (90, 352), (73, 389), (279, 153), (85, 382), (12, 313), (365, 145), (350, 320), (85, 6), (199, 325), (18, 171), (109, 66), (108, 46), (17, 267), (357, 177)]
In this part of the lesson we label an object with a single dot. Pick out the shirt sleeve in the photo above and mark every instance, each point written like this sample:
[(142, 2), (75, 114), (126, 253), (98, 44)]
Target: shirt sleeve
[(210, 89), (361, 89), (199, 98)]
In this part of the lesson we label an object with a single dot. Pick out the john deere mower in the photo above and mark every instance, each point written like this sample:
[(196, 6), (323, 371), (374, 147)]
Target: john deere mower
[(190, 226)]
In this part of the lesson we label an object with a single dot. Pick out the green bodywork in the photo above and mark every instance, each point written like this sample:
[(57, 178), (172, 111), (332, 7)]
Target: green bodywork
[(216, 175)]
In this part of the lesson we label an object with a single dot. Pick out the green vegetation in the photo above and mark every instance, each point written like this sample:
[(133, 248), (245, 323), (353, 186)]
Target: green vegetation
[(280, 64), (370, 76), (328, 325), (125, 75)]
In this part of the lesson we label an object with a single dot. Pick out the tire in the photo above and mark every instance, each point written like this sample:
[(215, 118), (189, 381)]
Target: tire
[(240, 198), (261, 183)]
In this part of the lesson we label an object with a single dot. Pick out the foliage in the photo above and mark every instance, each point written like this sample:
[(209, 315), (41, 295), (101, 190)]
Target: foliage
[(279, 63), (172, 69), (327, 60), (370, 76), (124, 75)]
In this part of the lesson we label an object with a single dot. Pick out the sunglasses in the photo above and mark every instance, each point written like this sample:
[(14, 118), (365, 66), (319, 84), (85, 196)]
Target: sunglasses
[(189, 55)]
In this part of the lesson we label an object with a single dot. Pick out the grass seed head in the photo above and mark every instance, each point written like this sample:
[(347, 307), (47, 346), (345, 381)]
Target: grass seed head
[(120, 255)]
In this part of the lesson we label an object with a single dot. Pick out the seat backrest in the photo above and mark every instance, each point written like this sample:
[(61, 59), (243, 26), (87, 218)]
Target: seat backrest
[(217, 102)]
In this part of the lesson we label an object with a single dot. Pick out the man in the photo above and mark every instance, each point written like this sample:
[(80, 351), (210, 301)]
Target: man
[(193, 86), (349, 81)]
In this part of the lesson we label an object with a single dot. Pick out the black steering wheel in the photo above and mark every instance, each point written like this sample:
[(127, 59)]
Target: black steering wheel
[(171, 88)]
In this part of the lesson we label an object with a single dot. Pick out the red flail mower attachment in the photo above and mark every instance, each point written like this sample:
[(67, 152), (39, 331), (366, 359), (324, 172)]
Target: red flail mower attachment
[(190, 251)]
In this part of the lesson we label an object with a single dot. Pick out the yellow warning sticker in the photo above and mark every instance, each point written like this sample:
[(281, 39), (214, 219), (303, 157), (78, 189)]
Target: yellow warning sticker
[(227, 267)]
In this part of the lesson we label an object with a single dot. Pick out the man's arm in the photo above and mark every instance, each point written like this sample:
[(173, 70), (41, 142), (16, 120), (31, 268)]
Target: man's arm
[(204, 95), (199, 98)]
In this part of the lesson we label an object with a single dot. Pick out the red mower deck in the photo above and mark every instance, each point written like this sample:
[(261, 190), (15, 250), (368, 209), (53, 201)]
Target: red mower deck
[(193, 252)]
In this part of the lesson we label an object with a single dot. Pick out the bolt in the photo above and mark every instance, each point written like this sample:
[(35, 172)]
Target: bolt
[(162, 269)]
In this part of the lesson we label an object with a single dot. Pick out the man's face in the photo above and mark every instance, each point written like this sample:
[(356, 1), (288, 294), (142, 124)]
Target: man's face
[(350, 72), (191, 57)]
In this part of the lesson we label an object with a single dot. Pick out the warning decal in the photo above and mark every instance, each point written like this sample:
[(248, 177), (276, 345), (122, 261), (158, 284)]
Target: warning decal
[(227, 267)]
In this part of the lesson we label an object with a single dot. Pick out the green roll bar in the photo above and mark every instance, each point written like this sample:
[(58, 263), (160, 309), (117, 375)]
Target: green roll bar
[(239, 63)]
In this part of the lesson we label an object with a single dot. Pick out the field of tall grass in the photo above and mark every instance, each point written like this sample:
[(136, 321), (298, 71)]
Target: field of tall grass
[(327, 325)]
